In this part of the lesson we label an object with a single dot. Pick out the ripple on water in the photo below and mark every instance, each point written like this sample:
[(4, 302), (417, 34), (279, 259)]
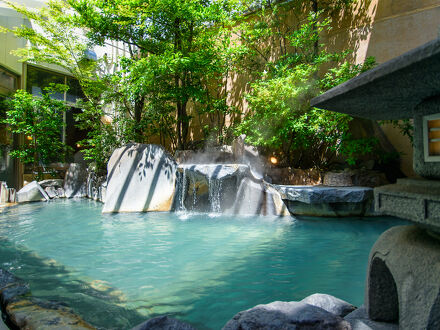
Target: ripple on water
[(118, 269)]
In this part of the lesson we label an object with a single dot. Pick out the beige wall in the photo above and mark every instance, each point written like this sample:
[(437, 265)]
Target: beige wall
[(386, 29)]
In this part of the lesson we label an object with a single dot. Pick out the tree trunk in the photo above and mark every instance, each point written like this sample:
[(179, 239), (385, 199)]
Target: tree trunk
[(138, 107)]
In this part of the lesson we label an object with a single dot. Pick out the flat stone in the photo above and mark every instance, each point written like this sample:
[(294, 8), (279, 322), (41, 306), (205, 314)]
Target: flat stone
[(75, 181), (323, 194), (32, 192), (163, 323), (140, 178), (391, 90), (403, 282), (417, 200), (359, 321), (330, 304), (36, 314), (286, 315)]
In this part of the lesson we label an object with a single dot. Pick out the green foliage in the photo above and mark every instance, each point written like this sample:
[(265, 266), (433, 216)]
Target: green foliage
[(280, 116), (177, 51), (40, 120)]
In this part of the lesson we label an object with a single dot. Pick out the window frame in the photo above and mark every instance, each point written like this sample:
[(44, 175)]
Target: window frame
[(426, 140)]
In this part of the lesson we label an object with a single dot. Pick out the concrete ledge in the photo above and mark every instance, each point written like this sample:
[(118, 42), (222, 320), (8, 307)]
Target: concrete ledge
[(417, 200)]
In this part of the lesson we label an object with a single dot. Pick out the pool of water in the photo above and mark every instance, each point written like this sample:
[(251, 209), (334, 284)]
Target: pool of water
[(119, 270)]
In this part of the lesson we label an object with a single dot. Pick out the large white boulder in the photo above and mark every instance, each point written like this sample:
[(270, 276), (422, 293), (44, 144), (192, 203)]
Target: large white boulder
[(32, 192), (140, 178)]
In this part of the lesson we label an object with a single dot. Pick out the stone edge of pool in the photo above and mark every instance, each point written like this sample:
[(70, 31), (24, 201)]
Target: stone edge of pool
[(21, 310)]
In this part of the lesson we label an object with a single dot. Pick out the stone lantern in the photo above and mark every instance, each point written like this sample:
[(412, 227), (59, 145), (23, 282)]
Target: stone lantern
[(403, 280)]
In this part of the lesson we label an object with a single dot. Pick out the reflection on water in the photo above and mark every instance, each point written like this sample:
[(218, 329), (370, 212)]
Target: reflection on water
[(118, 270)]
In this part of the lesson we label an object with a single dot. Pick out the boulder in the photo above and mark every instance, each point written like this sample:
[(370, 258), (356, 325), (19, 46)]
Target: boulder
[(32, 192), (330, 304), (140, 178), (12, 195), (163, 323), (286, 315), (227, 188), (56, 183), (359, 320), (75, 181), (4, 194), (95, 186), (256, 197), (51, 192)]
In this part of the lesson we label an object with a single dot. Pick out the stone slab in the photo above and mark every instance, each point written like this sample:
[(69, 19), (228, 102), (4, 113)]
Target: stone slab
[(163, 323), (32, 192), (322, 194), (140, 178), (417, 200), (391, 90)]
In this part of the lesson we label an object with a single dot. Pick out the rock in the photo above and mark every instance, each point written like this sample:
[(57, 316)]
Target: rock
[(11, 287), (322, 194), (330, 304), (258, 198), (328, 201), (338, 179), (163, 323), (12, 195), (238, 147), (37, 314), (75, 181), (60, 193), (56, 183), (95, 186), (140, 178), (4, 194), (359, 321), (32, 192), (294, 176), (228, 188), (51, 192), (403, 282), (286, 315), (184, 156)]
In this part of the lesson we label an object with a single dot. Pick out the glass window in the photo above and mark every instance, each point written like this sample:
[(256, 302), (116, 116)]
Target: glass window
[(431, 131), (75, 92), (8, 82), (38, 79)]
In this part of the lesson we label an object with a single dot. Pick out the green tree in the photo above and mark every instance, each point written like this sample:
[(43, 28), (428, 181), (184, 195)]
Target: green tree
[(280, 119), (177, 50), (40, 120)]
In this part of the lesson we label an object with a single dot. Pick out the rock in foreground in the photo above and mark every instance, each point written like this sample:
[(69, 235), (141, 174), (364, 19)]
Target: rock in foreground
[(32, 192), (163, 323), (330, 304), (286, 315), (140, 178)]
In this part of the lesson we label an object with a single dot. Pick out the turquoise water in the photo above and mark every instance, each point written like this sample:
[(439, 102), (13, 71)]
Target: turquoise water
[(119, 270)]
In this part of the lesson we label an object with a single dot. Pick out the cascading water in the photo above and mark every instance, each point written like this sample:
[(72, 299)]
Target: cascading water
[(182, 189), (215, 193)]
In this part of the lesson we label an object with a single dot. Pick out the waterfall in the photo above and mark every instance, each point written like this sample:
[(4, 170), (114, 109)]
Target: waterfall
[(182, 191), (215, 193)]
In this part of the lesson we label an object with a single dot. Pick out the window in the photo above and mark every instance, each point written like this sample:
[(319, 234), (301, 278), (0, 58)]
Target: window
[(431, 138), (8, 82)]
